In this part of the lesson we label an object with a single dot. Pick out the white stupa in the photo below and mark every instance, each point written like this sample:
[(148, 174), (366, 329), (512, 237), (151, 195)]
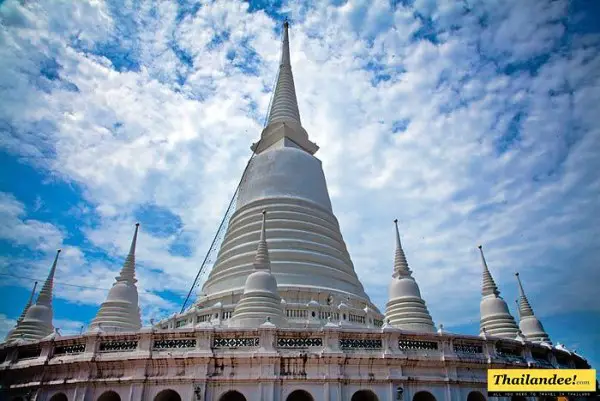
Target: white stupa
[(9, 336), (308, 255), (260, 300), (242, 341), (405, 308), (529, 324), (37, 322), (120, 311), (496, 320)]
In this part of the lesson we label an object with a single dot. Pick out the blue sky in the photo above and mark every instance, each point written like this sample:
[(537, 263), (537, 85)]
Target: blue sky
[(471, 122)]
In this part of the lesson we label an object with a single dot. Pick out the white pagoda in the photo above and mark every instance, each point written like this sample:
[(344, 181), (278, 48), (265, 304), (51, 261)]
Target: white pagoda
[(282, 315)]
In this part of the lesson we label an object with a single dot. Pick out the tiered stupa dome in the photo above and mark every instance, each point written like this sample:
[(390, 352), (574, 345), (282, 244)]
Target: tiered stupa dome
[(309, 258), (37, 322), (260, 300), (9, 336), (496, 320), (120, 311), (530, 326), (405, 308)]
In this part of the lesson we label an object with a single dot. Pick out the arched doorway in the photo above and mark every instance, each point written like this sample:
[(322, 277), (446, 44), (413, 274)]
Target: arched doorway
[(109, 396), (59, 397), (299, 395), (475, 396), (232, 396), (364, 395), (424, 396), (167, 395)]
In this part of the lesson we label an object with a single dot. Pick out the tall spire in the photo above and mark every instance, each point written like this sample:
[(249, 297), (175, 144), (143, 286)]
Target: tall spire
[(405, 308), (496, 319), (524, 306), (284, 106), (45, 297), (120, 311), (401, 268), (261, 260), (284, 128), (128, 271), (530, 326), (261, 298), (488, 286), (28, 305), (37, 322)]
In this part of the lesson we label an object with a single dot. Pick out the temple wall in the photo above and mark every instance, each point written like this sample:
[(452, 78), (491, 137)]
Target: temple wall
[(330, 364)]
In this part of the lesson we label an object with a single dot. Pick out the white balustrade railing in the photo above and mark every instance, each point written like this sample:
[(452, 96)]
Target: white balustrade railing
[(297, 314), (211, 341)]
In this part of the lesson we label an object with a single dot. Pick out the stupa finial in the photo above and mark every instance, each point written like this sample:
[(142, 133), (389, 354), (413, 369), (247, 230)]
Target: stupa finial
[(488, 284), (128, 271), (261, 260), (45, 297), (401, 268), (285, 104), (525, 308), (28, 305)]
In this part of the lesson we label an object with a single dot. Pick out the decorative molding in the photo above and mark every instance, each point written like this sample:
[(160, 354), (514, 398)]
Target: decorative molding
[(510, 354), (417, 344), (468, 348), (299, 342), (352, 343), (69, 349), (118, 346), (235, 342), (174, 344)]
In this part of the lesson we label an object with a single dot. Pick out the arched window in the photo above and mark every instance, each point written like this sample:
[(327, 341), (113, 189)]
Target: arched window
[(232, 396), (109, 396), (299, 395), (424, 396), (167, 395), (59, 397), (475, 396), (364, 395)]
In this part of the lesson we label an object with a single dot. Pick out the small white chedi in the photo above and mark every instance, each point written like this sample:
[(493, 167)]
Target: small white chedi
[(282, 315)]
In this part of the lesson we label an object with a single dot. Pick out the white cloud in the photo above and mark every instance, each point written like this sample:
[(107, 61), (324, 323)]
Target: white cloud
[(177, 136), (26, 232), (6, 325)]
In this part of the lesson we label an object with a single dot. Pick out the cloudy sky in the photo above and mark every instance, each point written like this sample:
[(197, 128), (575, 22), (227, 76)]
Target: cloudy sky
[(471, 122)]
